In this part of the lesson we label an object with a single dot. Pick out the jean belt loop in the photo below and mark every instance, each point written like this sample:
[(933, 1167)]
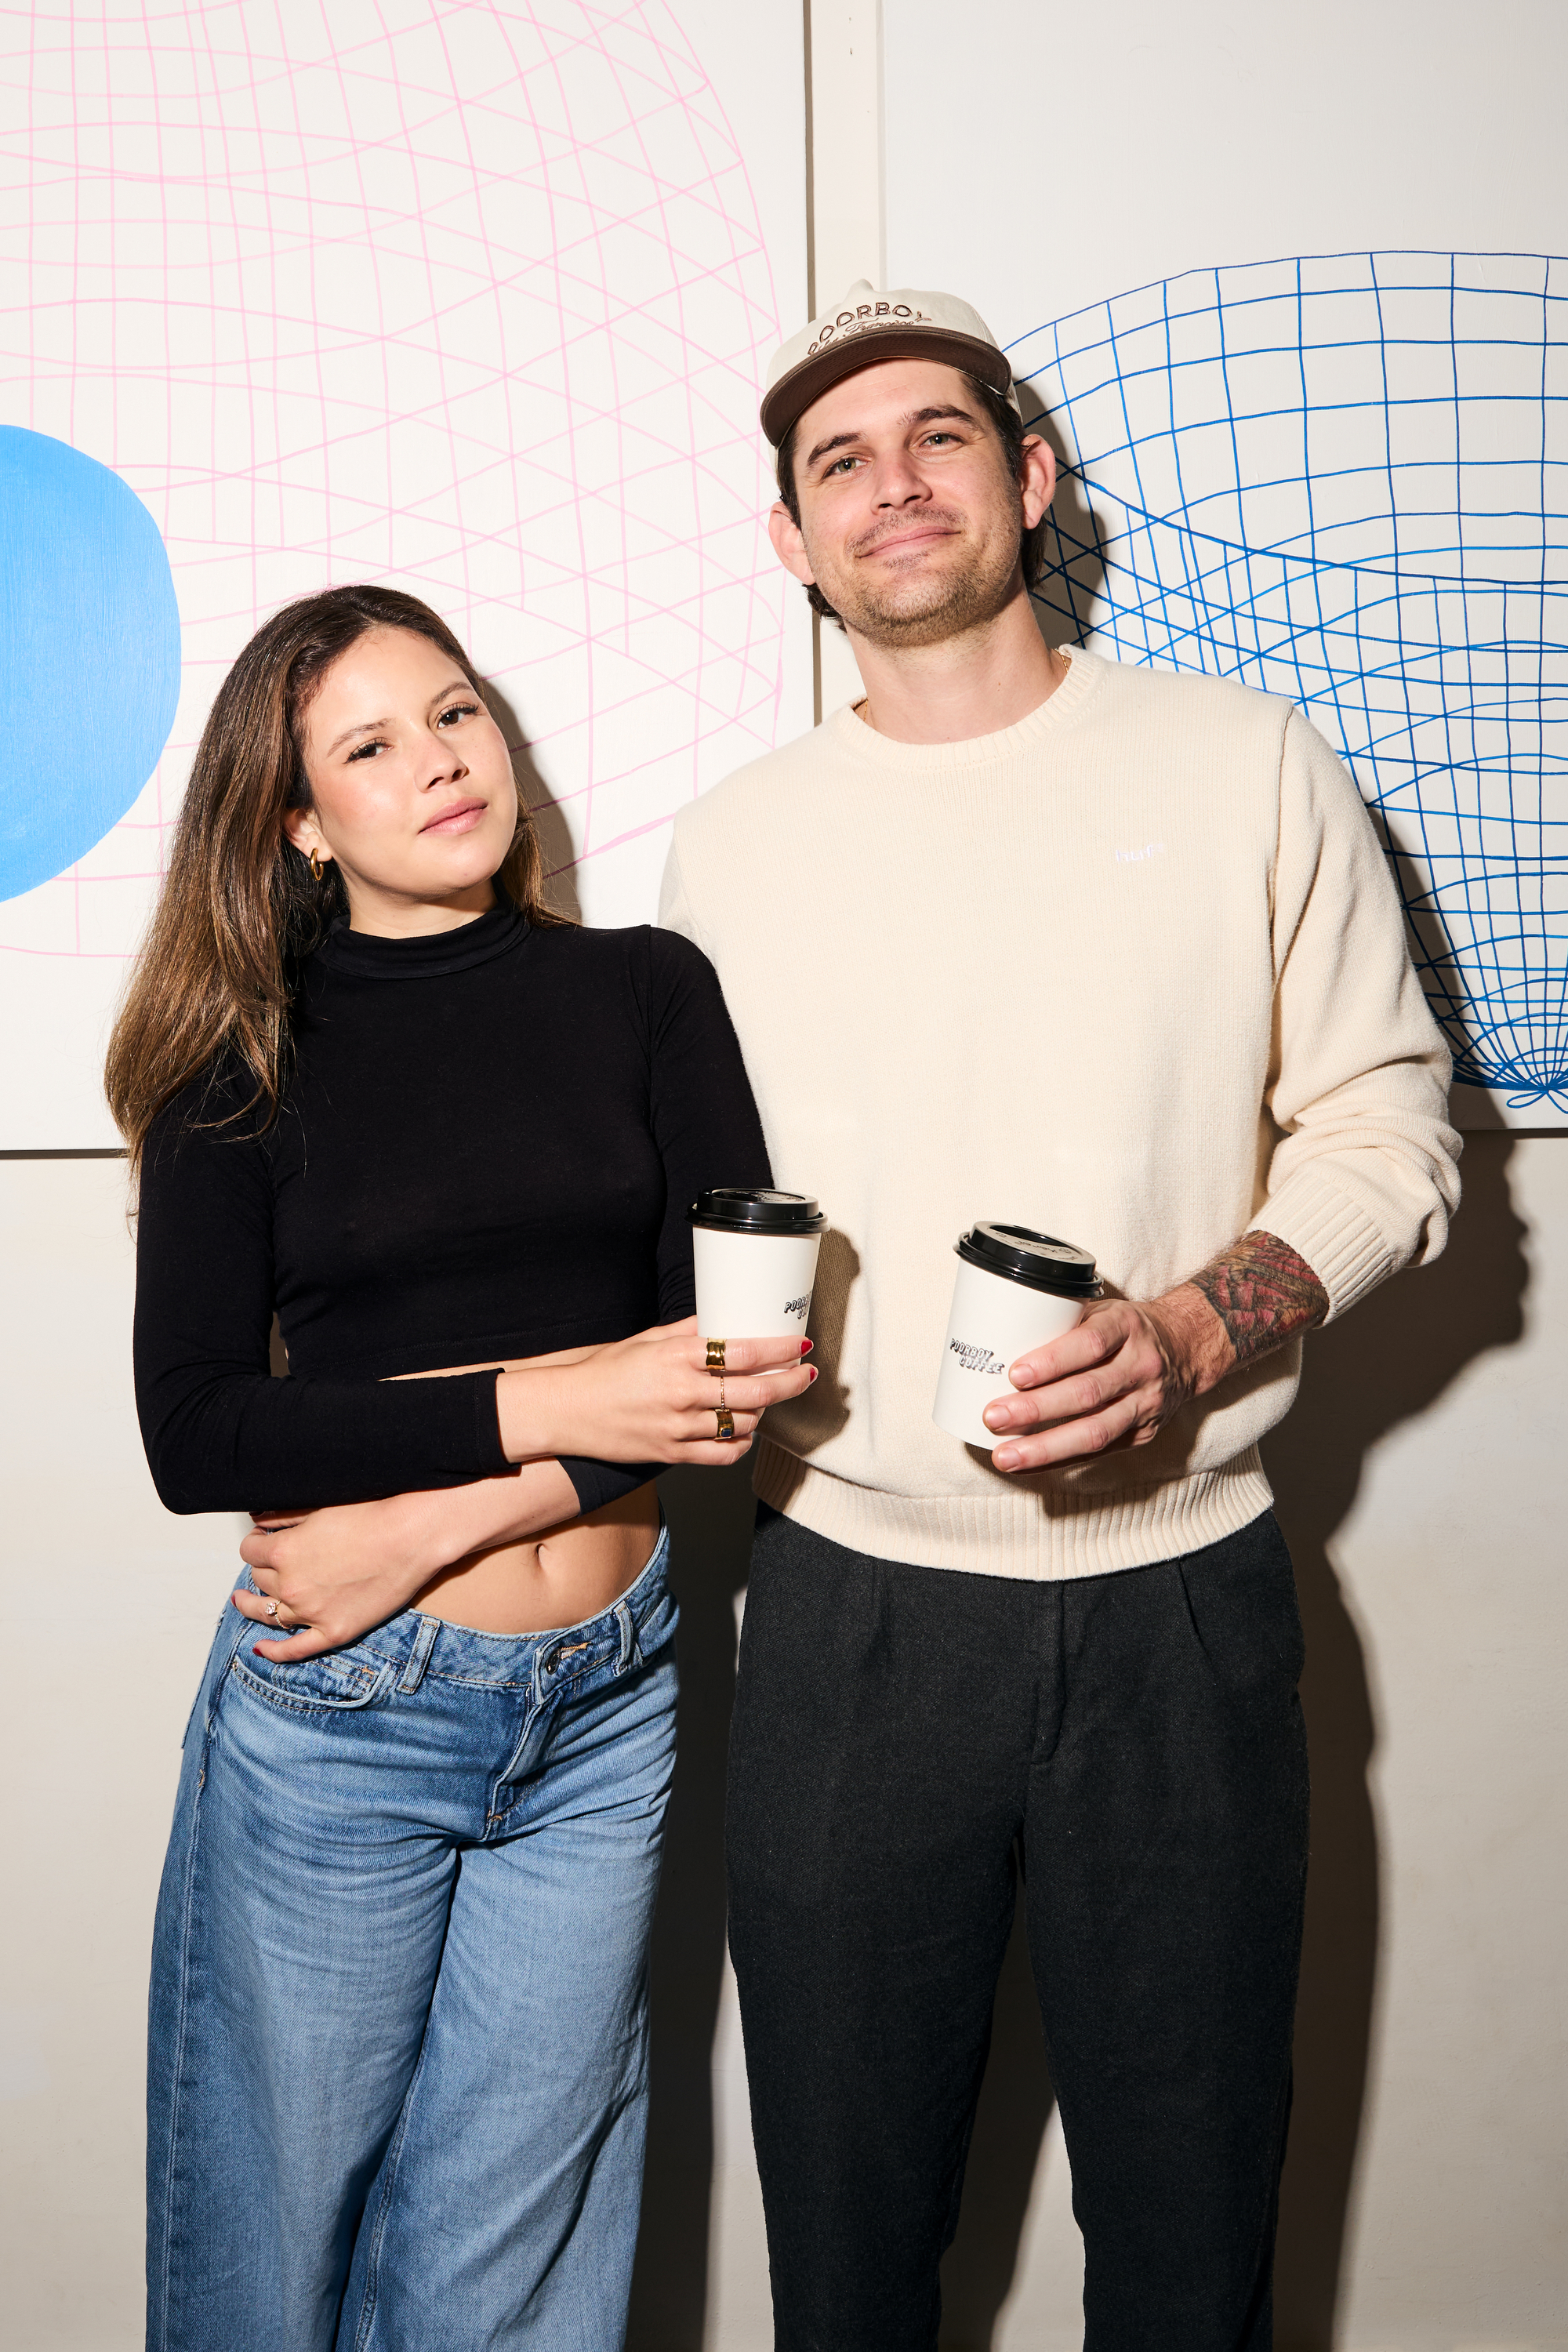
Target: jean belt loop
[(628, 1637), (419, 1656)]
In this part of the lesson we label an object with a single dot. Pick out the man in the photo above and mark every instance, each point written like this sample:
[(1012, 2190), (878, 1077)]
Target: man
[(1114, 955)]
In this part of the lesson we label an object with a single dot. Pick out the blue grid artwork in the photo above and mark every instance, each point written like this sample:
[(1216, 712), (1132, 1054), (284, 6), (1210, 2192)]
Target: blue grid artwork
[(1344, 479)]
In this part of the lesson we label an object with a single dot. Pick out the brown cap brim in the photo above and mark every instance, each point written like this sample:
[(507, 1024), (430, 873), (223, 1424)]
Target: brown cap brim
[(784, 402)]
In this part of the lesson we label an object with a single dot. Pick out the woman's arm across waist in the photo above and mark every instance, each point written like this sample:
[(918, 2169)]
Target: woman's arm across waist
[(343, 1570), (223, 1434)]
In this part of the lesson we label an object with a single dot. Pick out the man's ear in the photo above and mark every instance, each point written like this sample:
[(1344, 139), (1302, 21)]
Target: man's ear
[(789, 544), (1038, 482)]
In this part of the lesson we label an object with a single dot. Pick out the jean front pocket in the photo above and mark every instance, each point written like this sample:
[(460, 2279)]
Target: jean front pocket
[(336, 1683)]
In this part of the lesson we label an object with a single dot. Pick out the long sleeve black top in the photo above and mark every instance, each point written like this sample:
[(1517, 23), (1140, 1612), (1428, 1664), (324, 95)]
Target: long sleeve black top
[(486, 1148)]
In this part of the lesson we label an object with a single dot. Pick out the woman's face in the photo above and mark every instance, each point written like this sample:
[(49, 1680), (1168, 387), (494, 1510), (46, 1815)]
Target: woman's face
[(411, 782)]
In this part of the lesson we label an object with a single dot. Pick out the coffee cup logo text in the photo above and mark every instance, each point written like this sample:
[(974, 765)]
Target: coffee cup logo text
[(797, 1307), (976, 1359), (869, 314)]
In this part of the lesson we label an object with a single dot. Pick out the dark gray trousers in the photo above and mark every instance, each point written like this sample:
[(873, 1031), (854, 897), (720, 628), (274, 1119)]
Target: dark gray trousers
[(908, 1743)]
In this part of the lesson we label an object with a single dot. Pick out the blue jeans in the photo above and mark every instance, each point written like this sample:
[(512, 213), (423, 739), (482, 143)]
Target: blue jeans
[(398, 2079)]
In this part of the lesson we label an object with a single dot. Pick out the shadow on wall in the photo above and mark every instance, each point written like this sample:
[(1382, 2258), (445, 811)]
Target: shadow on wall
[(1072, 533), (549, 820), (710, 1514), (1385, 1364)]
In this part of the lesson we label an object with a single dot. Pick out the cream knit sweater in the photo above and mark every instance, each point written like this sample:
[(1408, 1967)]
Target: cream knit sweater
[(1131, 971)]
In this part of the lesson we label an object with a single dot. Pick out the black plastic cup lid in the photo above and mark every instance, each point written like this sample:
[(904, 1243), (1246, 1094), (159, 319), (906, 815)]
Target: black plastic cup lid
[(736, 1209), (1038, 1260)]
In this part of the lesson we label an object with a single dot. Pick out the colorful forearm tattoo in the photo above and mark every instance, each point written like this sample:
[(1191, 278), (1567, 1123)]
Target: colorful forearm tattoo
[(1262, 1293)]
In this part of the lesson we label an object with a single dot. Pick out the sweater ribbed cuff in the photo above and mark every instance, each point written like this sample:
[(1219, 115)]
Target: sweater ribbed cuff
[(598, 1483), (1345, 1249), (489, 1454)]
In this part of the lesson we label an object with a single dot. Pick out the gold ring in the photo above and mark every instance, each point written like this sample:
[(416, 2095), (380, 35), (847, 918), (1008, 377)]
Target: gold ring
[(715, 1355), (722, 1405), (726, 1420)]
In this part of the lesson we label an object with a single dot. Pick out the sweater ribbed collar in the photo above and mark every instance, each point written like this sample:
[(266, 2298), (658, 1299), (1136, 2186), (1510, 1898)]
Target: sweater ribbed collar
[(364, 955), (848, 733)]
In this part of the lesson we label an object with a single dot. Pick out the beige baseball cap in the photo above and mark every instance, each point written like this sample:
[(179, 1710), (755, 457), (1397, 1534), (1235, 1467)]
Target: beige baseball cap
[(866, 326)]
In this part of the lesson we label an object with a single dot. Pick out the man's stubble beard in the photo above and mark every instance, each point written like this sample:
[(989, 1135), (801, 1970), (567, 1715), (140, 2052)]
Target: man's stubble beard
[(930, 609)]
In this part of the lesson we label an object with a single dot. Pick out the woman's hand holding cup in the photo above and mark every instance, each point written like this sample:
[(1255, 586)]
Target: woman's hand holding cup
[(652, 1398)]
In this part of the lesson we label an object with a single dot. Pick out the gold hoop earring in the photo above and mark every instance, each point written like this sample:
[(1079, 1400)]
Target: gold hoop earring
[(316, 867)]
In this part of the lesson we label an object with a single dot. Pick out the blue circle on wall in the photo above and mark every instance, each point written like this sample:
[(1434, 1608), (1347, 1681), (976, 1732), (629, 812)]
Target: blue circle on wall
[(90, 653)]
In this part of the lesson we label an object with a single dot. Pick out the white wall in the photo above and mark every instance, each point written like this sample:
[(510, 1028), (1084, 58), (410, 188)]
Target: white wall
[(109, 1607), (1114, 147), (1414, 1477)]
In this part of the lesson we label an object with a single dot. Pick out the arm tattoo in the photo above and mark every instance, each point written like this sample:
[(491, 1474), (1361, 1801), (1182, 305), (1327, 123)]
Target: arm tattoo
[(1262, 1293)]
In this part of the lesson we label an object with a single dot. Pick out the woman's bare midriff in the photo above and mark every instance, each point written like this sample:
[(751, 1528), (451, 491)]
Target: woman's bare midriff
[(557, 1578)]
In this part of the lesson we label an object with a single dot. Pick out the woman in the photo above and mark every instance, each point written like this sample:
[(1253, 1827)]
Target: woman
[(369, 1084)]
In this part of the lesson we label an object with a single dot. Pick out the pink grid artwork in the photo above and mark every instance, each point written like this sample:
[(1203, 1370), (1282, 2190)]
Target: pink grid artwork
[(467, 294)]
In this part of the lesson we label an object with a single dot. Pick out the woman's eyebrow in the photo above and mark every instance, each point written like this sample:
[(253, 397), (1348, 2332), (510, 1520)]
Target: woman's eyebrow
[(369, 726), (360, 726), (454, 686)]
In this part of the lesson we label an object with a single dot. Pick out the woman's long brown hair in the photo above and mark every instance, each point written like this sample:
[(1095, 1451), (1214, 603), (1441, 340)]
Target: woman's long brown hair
[(239, 910)]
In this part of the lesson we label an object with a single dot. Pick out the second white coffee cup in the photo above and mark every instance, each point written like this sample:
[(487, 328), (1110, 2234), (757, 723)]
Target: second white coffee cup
[(1015, 1290), (756, 1258)]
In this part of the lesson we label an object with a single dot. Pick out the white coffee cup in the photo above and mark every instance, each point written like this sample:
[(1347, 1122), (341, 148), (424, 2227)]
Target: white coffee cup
[(1015, 1290), (755, 1258)]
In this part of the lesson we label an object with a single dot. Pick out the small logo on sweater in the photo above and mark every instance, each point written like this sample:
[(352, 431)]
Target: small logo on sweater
[(1138, 856), (797, 1307), (976, 1359)]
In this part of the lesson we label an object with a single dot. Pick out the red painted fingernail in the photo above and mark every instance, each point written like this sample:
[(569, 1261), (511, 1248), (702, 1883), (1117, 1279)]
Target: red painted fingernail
[(806, 1345), (812, 1370)]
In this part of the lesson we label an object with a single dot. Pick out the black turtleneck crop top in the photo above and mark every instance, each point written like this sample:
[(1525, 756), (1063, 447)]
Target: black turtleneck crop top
[(486, 1148)]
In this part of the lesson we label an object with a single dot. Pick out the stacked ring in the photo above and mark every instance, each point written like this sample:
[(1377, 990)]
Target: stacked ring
[(715, 1355), (726, 1420)]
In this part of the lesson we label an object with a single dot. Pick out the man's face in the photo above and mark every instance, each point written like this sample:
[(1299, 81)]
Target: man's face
[(910, 515)]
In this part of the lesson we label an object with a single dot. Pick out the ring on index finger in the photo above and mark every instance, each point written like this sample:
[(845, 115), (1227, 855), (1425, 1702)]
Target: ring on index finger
[(716, 1355)]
